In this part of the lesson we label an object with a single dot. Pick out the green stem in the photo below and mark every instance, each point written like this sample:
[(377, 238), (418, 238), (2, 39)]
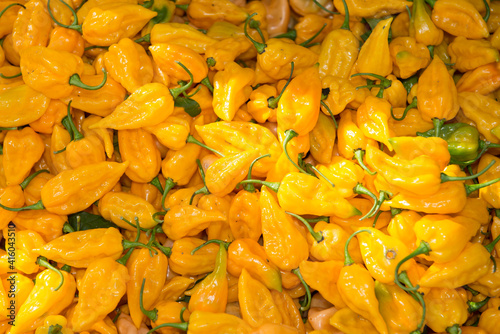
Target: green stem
[(211, 61), (249, 186), (362, 190), (211, 241), (165, 250), (144, 39), (272, 102), (289, 135), (359, 154), (290, 34), (157, 184), (486, 16), (183, 7), (256, 25), (423, 248), (192, 140), (438, 124), (183, 326), (11, 76), (306, 42), (67, 228), (204, 189), (468, 288), (27, 180), (9, 6), (348, 259), (261, 47), (431, 2), (446, 178), (123, 260), (118, 312), (412, 105), (489, 247), (318, 219), (169, 184), (321, 174), (96, 47), (271, 185), (306, 304), (178, 91), (323, 8), (77, 135), (475, 306), (151, 314), (37, 206), (42, 261), (131, 244), (384, 83), (208, 84), (318, 236), (182, 314), (330, 112), (470, 188), (395, 211), (74, 25), (455, 329), (75, 80), (345, 25)]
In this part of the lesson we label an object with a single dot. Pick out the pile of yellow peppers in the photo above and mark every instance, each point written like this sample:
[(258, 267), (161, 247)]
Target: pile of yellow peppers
[(274, 166)]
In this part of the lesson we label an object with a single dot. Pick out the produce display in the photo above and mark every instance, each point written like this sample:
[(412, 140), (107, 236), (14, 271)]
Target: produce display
[(274, 166)]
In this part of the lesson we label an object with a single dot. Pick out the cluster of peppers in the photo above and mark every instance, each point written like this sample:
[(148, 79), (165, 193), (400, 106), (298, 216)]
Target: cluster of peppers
[(274, 166)]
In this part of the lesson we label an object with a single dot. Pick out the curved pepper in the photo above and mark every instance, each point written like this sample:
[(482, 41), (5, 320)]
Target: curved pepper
[(203, 13), (459, 18), (184, 263), (244, 215), (18, 98), (422, 27), (181, 34), (374, 56), (116, 206), (31, 27), (372, 8), (408, 55)]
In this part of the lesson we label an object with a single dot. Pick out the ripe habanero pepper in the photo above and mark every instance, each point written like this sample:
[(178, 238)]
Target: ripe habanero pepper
[(411, 124), (7, 19), (79, 249), (283, 242), (436, 92), (175, 287), (459, 18), (256, 302), (32, 26), (322, 276), (51, 72), (170, 312), (210, 295), (422, 27), (357, 289), (188, 220), (244, 215), (25, 258), (173, 132), (181, 34), (381, 254), (128, 63), (218, 229), (312, 29), (401, 227), (346, 319), (372, 8), (409, 148), (277, 16), (167, 55), (445, 308), (54, 115), (400, 311), (226, 51), (408, 56), (341, 92), (165, 9), (298, 107), (247, 254), (349, 135), (47, 224), (184, 263), (484, 80), (23, 285), (234, 137), (11, 196), (224, 174), (99, 102), (203, 13), (322, 138), (21, 149), (69, 40), (470, 265), (484, 112), (24, 98), (258, 105), (102, 276), (289, 312), (138, 148), (470, 54), (374, 56), (373, 117), (48, 297), (32, 191), (491, 193), (116, 206), (231, 90), (11, 76), (147, 274), (82, 150), (488, 284)]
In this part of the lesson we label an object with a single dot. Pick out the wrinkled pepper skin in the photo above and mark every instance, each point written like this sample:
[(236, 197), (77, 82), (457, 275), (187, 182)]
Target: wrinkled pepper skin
[(25, 98), (284, 244), (372, 8), (21, 149), (339, 51), (459, 18), (422, 27), (244, 216), (75, 190), (79, 249), (445, 308), (468, 55), (43, 300), (374, 56), (437, 93), (117, 205), (247, 254), (183, 263), (490, 194), (32, 26), (100, 290)]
